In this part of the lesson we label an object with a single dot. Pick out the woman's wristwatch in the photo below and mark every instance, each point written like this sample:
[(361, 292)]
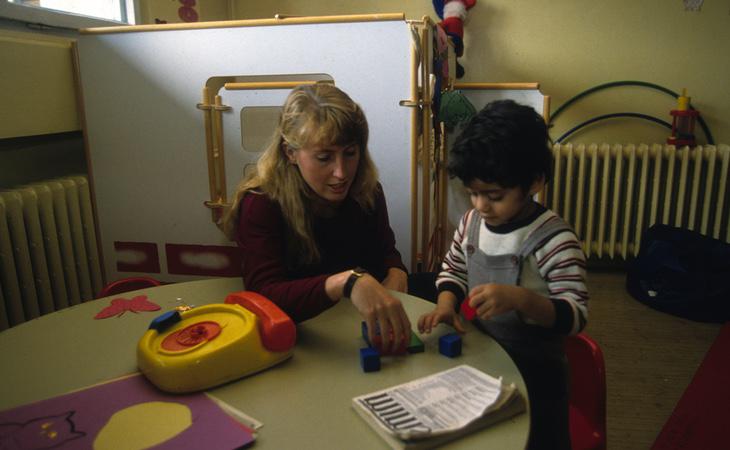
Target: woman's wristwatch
[(355, 274)]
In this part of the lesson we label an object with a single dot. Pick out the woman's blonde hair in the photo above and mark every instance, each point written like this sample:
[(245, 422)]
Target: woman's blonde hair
[(315, 115)]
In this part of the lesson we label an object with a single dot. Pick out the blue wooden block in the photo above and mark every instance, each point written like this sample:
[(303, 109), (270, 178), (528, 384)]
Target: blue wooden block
[(364, 331), (450, 345), (369, 359)]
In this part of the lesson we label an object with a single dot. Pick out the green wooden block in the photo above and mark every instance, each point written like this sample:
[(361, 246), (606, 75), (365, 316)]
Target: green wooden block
[(415, 345)]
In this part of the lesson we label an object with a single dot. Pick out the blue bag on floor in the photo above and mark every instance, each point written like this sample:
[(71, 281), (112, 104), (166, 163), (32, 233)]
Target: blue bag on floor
[(683, 273)]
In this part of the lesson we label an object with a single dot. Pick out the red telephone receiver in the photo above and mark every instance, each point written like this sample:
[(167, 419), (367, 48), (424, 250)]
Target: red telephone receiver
[(278, 333)]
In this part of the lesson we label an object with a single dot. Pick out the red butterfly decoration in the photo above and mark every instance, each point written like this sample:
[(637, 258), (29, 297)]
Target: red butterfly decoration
[(120, 305)]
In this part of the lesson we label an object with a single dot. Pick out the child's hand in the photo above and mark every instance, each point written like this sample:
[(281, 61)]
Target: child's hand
[(441, 314), (493, 299)]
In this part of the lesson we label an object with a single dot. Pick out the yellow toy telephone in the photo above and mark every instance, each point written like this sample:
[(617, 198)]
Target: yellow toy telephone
[(210, 345)]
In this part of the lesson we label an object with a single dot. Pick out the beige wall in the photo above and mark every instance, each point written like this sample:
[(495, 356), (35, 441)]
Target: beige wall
[(573, 45), (566, 45), (168, 10), (36, 84)]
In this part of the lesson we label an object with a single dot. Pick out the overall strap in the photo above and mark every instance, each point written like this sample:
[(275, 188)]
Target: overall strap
[(543, 233), (474, 222)]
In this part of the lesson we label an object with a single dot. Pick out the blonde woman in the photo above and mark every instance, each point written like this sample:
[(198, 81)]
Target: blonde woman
[(312, 222)]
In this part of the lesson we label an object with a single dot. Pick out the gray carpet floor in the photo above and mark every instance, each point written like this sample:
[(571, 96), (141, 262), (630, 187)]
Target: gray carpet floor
[(650, 359)]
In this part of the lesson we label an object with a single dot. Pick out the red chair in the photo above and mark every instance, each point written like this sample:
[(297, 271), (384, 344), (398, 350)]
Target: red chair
[(587, 393), (127, 284)]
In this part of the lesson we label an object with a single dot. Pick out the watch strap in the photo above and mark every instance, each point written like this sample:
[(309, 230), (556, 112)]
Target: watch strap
[(355, 274)]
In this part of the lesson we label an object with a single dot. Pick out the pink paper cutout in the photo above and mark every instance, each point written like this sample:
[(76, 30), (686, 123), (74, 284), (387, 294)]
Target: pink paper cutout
[(120, 305)]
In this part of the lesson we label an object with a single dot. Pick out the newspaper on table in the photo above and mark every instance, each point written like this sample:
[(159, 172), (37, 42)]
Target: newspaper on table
[(441, 403)]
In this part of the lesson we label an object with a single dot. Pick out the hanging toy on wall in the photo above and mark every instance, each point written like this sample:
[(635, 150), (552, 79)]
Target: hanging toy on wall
[(453, 15), (683, 122)]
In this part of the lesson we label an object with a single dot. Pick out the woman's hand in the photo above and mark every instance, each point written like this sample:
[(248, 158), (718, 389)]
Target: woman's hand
[(380, 309), (396, 280)]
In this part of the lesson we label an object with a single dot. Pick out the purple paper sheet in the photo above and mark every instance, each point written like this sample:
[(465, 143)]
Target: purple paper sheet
[(74, 420)]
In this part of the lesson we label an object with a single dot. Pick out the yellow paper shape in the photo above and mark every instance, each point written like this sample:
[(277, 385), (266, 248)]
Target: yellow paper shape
[(143, 425)]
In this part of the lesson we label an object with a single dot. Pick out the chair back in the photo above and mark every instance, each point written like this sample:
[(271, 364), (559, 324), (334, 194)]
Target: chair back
[(587, 392), (127, 284)]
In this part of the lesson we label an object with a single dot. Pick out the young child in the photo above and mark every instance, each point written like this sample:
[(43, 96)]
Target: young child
[(517, 263)]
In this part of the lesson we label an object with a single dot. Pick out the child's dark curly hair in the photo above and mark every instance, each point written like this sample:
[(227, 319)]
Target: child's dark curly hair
[(505, 143)]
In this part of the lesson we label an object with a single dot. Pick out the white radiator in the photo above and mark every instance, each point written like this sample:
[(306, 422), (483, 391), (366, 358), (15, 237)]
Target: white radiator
[(48, 251), (611, 193)]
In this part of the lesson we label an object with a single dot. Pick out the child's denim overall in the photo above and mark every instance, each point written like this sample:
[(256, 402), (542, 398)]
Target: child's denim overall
[(537, 351)]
